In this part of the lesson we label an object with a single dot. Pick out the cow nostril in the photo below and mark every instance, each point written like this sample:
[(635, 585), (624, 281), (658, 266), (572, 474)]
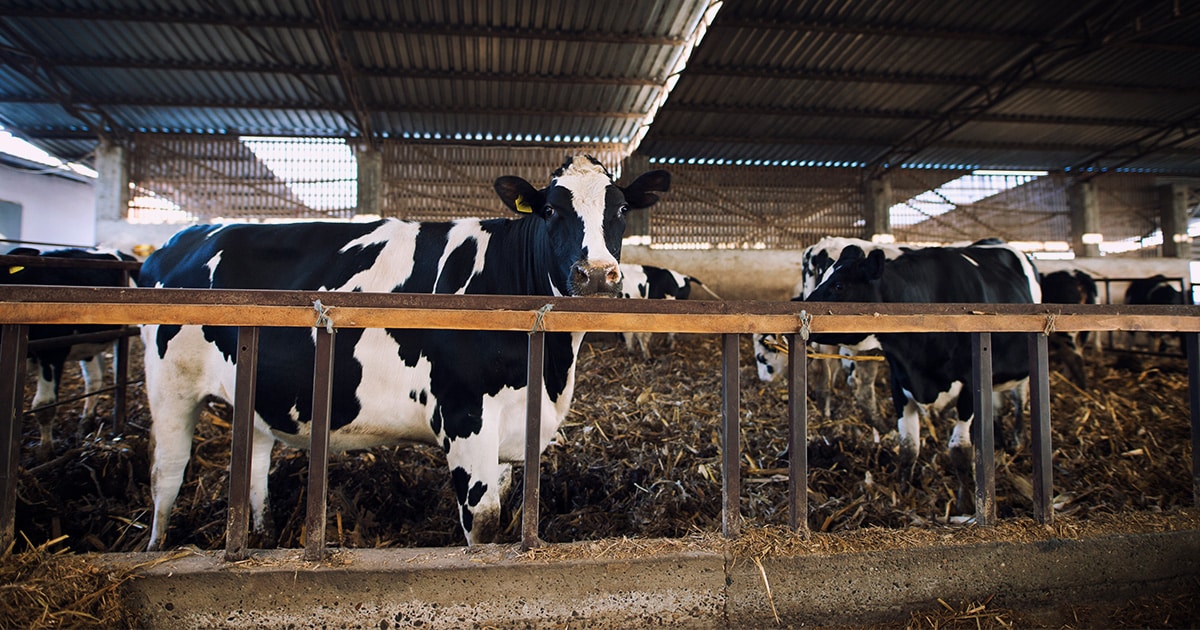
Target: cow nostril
[(581, 272), (614, 275)]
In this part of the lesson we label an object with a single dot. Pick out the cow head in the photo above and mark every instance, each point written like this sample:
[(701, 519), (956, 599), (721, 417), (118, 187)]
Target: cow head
[(582, 212), (855, 277)]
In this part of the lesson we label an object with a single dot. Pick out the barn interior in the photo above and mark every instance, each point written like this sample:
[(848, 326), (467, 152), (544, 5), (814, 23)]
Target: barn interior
[(1069, 129)]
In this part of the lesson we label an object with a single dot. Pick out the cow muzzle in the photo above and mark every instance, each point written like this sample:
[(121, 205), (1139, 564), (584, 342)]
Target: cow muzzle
[(591, 279)]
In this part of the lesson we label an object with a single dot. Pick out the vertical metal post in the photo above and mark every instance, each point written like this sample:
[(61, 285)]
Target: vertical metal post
[(1039, 428), (13, 340), (798, 433), (730, 446), (1191, 342), (318, 452), (243, 432), (121, 377), (121, 372), (985, 449), (533, 442)]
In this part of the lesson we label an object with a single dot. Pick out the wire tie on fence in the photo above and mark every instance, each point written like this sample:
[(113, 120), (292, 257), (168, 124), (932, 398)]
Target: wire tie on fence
[(538, 324), (323, 318), (805, 325), (1048, 329)]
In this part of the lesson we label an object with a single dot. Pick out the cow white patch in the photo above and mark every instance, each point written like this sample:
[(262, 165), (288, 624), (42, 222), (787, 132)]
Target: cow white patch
[(393, 266), (588, 183), (460, 233)]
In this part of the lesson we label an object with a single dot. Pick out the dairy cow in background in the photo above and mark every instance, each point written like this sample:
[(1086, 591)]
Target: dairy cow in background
[(1157, 289), (1070, 287), (654, 283), (48, 364), (461, 390), (860, 364), (928, 370)]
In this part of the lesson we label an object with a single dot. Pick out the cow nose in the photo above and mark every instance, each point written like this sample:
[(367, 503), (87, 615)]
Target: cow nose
[(589, 279)]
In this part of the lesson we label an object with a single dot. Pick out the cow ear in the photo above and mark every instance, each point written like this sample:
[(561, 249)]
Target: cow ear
[(874, 264), (518, 194), (640, 194)]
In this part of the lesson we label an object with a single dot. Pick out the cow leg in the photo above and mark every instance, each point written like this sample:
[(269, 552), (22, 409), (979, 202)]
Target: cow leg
[(962, 460), (171, 429), (92, 369), (261, 445), (865, 373), (49, 374), (477, 477), (643, 339)]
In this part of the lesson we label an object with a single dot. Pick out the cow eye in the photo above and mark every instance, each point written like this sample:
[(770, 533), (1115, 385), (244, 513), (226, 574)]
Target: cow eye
[(548, 211), (622, 210)]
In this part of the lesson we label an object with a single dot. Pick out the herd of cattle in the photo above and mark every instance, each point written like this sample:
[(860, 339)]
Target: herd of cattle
[(465, 390)]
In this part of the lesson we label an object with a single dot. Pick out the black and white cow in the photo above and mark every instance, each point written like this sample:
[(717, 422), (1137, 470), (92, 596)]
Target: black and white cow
[(1157, 289), (770, 350), (1070, 287), (652, 283), (48, 364), (929, 369), (460, 390)]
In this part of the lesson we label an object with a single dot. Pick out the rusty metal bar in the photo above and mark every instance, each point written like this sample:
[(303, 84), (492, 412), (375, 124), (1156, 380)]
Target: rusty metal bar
[(1039, 428), (76, 398), (243, 433), (985, 453), (730, 444), (94, 337), (533, 442), (318, 452), (121, 382), (13, 338), (798, 434), (1192, 343)]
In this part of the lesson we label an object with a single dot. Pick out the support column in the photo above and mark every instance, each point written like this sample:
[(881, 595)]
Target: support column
[(370, 181), (637, 224), (1173, 219), (112, 183), (1085, 218), (877, 196)]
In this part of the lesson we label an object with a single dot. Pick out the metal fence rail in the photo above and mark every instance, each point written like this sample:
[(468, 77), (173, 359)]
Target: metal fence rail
[(249, 310)]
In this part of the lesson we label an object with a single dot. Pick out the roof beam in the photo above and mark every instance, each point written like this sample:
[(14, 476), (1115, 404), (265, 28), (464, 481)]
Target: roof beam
[(963, 81), (1099, 25), (47, 77), (324, 70), (865, 114), (347, 75), (1168, 136), (187, 103), (212, 18)]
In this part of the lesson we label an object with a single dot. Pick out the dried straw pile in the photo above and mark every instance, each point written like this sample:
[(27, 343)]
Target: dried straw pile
[(637, 471)]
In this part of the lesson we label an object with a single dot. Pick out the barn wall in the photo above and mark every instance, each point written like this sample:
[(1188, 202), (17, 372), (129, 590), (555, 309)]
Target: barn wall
[(54, 209)]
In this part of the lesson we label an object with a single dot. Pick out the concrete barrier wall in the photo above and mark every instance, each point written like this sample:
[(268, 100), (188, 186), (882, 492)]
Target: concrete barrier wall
[(771, 274), (493, 586)]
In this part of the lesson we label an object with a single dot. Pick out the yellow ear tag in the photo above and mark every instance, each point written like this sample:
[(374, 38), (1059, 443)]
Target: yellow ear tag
[(15, 269), (522, 206)]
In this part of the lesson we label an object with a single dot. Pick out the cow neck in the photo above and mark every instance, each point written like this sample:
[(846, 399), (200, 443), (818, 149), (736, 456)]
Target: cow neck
[(521, 256)]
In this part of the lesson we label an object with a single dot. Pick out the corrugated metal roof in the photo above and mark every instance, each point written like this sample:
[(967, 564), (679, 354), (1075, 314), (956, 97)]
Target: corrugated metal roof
[(1032, 84)]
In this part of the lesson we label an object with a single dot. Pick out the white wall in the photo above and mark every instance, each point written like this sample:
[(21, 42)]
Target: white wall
[(53, 209)]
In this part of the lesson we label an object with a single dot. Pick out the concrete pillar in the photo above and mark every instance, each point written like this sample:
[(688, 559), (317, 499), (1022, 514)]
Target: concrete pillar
[(877, 198), (112, 183), (370, 180), (637, 223), (1085, 218), (1173, 218)]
